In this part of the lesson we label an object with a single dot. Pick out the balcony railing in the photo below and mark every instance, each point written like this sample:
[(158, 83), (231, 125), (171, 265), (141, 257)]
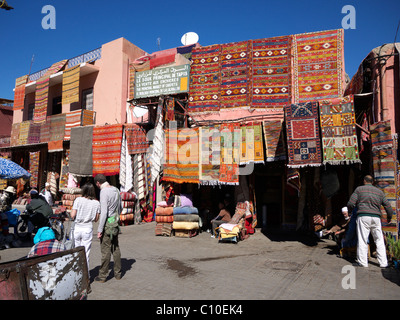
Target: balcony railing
[(86, 57)]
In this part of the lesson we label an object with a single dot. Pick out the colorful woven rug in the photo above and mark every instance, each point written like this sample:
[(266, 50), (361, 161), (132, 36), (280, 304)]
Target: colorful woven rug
[(42, 89), (136, 139), (252, 146), (235, 74), (381, 135), (72, 119), (57, 129), (70, 85), (87, 117), (34, 133), (303, 136), (204, 92), (230, 146), (107, 141), (24, 132), (209, 157), (274, 140), (338, 130), (80, 159), (64, 174), (19, 93), (45, 131), (182, 156), (34, 168), (318, 65), (271, 73), (14, 134)]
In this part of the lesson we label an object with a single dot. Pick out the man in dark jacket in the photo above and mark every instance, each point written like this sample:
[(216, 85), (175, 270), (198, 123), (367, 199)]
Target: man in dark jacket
[(39, 209), (368, 200)]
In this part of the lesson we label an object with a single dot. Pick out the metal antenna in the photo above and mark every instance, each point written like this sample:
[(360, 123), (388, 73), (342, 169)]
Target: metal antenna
[(159, 43)]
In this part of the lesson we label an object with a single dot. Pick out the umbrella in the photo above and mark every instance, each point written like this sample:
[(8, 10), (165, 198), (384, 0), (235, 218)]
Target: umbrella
[(11, 170)]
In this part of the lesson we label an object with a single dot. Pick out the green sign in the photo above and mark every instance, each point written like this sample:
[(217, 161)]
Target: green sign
[(162, 81)]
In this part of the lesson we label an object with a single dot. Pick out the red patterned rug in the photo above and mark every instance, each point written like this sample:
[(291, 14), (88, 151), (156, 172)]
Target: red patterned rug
[(271, 73), (318, 65), (107, 141), (303, 136)]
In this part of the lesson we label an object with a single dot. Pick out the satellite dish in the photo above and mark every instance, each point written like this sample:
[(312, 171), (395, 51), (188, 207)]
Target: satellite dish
[(189, 38)]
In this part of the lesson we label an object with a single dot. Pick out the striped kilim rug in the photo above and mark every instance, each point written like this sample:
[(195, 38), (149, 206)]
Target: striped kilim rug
[(34, 168), (42, 90), (107, 142), (384, 165), (14, 134), (19, 93), (182, 156), (338, 130), (209, 157), (318, 65), (205, 77), (57, 130), (271, 72), (274, 140), (303, 135), (70, 85), (24, 132), (34, 133), (230, 157), (72, 119)]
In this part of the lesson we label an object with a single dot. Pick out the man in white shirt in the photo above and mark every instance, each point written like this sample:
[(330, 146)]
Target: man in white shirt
[(47, 194)]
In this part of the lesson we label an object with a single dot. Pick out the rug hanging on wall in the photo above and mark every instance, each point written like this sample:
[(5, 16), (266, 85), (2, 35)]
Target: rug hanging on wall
[(209, 157), (70, 85), (303, 136), (318, 65), (181, 156), (106, 149), (34, 133), (235, 74), (136, 138), (42, 90), (14, 134), (230, 148), (80, 159), (271, 85), (19, 93), (24, 132), (57, 129), (72, 119), (274, 140), (34, 168), (384, 164), (204, 91), (251, 144), (338, 130)]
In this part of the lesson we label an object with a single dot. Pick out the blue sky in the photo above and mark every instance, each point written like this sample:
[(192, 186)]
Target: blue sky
[(82, 26)]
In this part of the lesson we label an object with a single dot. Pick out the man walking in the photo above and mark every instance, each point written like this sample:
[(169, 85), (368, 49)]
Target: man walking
[(108, 229), (368, 200)]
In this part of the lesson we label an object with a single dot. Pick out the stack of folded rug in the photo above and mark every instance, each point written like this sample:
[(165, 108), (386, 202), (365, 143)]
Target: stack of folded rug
[(164, 219), (128, 200), (186, 221)]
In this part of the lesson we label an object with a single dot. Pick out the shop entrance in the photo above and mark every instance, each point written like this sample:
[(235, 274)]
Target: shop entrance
[(269, 198)]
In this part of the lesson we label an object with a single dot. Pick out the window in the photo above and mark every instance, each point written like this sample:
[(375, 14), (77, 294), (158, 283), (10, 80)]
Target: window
[(31, 109), (87, 99), (57, 106)]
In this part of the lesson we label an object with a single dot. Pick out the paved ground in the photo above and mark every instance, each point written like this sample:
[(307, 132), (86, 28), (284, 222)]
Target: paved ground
[(274, 266)]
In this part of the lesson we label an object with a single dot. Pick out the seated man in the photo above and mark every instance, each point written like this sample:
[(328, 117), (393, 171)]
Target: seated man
[(39, 209), (224, 216), (45, 243)]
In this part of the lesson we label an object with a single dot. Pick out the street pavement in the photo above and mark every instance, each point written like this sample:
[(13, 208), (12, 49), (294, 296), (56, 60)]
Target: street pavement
[(270, 266)]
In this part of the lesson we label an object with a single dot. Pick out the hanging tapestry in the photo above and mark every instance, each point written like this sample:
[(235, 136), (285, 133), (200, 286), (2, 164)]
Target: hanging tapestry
[(70, 85), (318, 65), (338, 130), (235, 74), (57, 129), (87, 117), (23, 132), (271, 74), (274, 140), (107, 141), (19, 93), (303, 137), (384, 165), (136, 139), (72, 119), (45, 131), (252, 147), (209, 157), (56, 67), (42, 89), (230, 146), (34, 168), (34, 133), (182, 156), (204, 92), (14, 134), (80, 160), (381, 135), (53, 169), (157, 148)]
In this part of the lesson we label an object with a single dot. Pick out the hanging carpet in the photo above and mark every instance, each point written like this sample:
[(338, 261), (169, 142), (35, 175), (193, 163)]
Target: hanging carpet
[(80, 157), (274, 140), (19, 93), (209, 157), (70, 85)]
